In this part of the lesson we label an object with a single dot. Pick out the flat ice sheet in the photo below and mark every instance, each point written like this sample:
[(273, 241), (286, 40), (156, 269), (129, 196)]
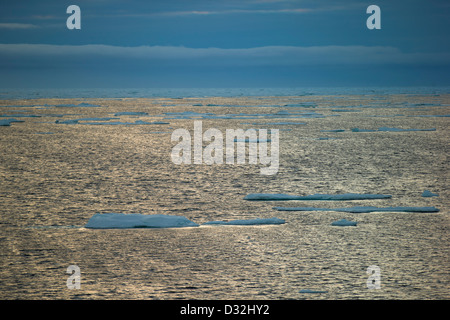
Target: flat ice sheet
[(361, 209), (134, 220), (258, 221), (338, 197)]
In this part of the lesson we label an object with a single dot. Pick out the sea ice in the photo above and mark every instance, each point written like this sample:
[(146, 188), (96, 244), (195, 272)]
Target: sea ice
[(71, 121), (339, 197), (20, 115), (258, 221), (128, 113), (428, 193), (361, 209), (7, 122), (344, 223), (134, 220), (333, 130), (386, 129), (116, 123)]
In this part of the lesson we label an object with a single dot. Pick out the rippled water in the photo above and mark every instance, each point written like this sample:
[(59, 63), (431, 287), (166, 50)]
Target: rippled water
[(54, 177)]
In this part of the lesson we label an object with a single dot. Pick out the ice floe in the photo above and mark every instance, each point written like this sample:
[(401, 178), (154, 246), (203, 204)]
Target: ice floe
[(134, 220), (344, 223), (362, 209), (130, 113), (428, 193), (112, 123), (71, 105), (339, 197), (20, 115), (333, 130), (70, 121), (258, 221), (7, 122)]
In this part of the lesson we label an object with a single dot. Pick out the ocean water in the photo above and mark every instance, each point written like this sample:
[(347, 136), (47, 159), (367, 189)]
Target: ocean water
[(56, 176)]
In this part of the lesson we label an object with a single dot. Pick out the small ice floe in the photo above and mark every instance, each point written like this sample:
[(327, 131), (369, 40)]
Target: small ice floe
[(258, 221), (134, 220), (362, 130), (362, 209), (333, 130), (130, 113), (7, 122), (97, 119), (20, 115), (118, 123), (71, 121), (338, 197), (428, 193), (386, 129), (312, 291), (344, 223), (71, 105)]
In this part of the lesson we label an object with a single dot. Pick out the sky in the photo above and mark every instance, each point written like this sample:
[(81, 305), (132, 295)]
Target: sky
[(210, 43)]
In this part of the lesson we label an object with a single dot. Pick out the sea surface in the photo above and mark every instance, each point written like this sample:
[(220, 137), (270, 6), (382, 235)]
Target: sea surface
[(56, 174)]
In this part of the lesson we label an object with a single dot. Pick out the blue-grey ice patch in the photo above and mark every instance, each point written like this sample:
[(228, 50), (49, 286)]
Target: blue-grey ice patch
[(344, 223), (258, 221), (130, 113), (97, 119), (362, 209), (71, 105), (7, 122), (333, 130), (428, 193), (20, 115), (362, 130), (116, 123), (386, 129), (71, 121), (134, 220), (317, 196)]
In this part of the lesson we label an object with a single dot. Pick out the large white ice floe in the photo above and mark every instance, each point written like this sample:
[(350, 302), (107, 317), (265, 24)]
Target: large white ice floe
[(344, 223), (134, 220), (362, 209), (317, 196), (258, 221)]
